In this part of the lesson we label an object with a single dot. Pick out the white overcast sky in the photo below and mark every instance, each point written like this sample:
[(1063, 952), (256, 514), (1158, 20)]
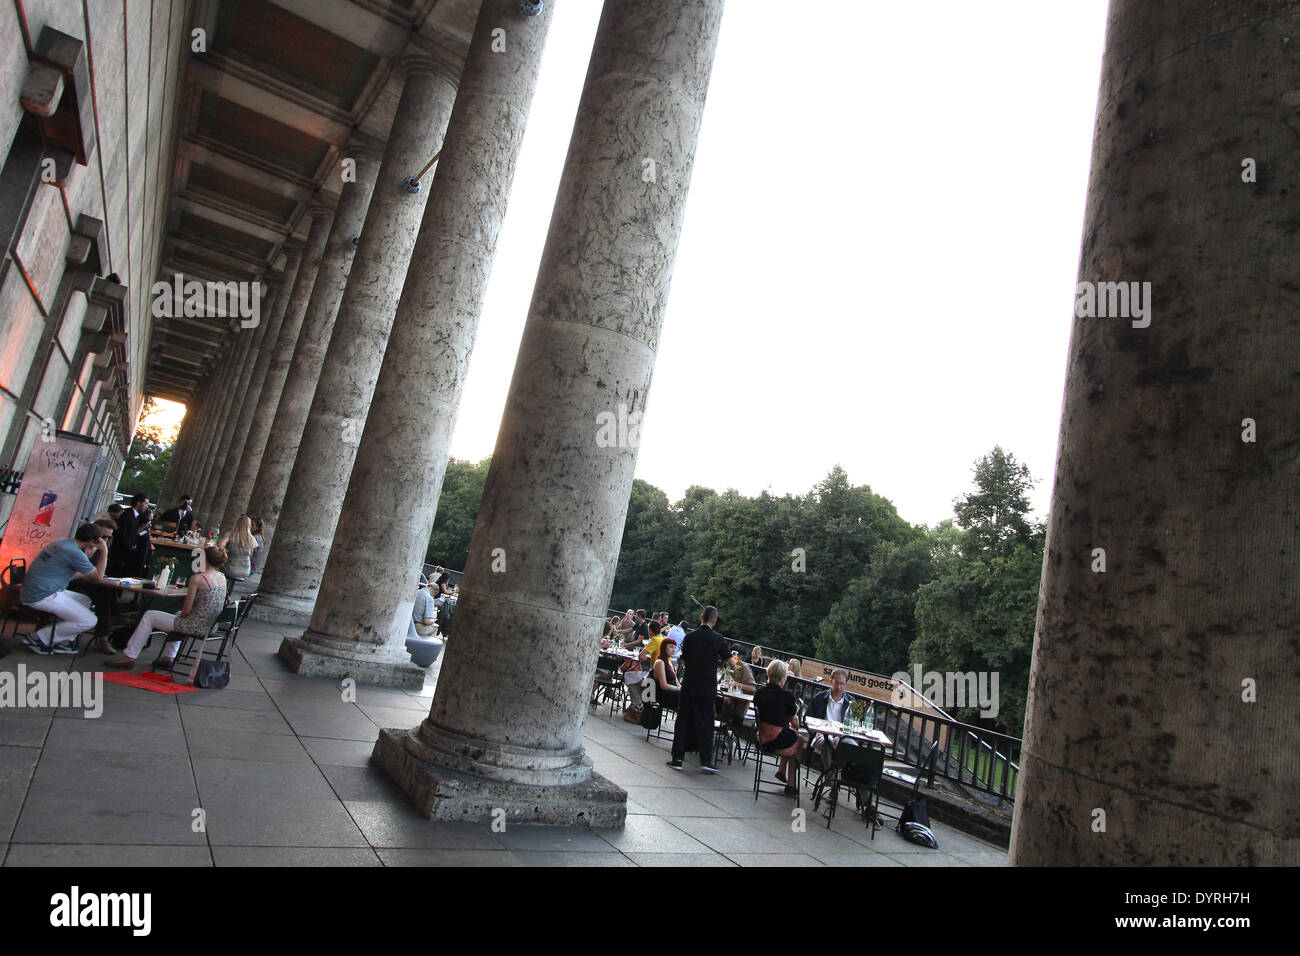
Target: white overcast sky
[(878, 261)]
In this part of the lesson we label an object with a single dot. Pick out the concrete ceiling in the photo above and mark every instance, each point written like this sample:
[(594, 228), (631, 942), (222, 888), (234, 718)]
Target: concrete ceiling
[(265, 115)]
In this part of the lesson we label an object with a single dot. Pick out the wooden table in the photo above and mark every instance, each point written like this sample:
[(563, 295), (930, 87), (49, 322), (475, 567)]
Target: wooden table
[(173, 543)]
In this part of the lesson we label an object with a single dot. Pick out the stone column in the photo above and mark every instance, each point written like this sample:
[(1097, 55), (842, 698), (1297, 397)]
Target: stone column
[(309, 354), (546, 544), (237, 427), (171, 486), (1165, 671), (280, 358), (311, 503), (218, 410), (393, 492), (237, 504), (230, 387)]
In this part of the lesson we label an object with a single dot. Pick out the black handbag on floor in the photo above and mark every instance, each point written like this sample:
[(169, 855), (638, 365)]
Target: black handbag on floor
[(651, 714), (212, 674), (914, 824)]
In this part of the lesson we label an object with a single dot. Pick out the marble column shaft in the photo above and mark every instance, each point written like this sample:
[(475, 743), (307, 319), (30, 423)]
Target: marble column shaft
[(237, 426), (1161, 724), (280, 358), (313, 339), (235, 504), (393, 492), (314, 496), (231, 389), (547, 539)]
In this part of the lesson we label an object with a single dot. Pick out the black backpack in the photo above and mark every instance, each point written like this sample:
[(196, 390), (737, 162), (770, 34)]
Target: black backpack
[(651, 714), (914, 824)]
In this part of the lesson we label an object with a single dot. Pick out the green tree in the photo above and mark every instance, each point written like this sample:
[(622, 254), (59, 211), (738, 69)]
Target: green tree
[(978, 612), (146, 460), (873, 624), (453, 525), (647, 561)]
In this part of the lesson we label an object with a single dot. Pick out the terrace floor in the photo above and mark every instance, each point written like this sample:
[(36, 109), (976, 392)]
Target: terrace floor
[(279, 765)]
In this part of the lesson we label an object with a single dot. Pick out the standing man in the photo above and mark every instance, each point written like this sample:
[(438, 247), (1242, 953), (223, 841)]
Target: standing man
[(179, 519), (45, 588), (703, 651), (123, 554)]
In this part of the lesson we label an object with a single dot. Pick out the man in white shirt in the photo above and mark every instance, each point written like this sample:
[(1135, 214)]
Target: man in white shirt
[(831, 704)]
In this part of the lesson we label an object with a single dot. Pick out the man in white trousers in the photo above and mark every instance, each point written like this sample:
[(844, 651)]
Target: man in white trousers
[(45, 588)]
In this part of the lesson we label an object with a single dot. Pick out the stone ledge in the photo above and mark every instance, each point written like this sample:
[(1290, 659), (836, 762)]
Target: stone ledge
[(441, 794), (309, 663)]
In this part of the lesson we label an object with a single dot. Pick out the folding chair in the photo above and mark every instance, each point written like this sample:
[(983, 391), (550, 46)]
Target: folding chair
[(926, 767), (223, 629)]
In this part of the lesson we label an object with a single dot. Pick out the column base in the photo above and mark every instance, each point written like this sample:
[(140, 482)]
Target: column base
[(442, 794), (281, 609), (306, 660)]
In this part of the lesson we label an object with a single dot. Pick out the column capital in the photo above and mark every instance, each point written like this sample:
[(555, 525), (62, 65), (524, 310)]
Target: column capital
[(418, 63), (362, 146), (320, 209)]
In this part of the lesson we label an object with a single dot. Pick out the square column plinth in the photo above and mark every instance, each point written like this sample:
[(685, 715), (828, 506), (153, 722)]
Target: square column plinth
[(308, 661), (442, 794)]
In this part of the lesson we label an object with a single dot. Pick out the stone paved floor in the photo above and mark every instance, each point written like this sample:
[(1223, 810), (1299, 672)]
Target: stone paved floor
[(279, 764)]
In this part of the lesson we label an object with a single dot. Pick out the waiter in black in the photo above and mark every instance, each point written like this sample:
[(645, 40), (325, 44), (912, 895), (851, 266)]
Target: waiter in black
[(702, 651), (182, 516)]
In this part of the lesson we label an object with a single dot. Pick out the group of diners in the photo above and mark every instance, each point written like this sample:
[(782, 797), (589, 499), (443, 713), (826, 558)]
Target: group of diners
[(78, 581), (682, 669)]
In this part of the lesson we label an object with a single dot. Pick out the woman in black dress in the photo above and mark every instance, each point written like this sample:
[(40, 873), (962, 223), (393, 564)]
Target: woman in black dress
[(778, 723)]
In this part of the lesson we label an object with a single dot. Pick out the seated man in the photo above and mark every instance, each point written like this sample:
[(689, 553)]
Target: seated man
[(831, 704), (45, 588), (425, 612), (103, 599), (735, 710)]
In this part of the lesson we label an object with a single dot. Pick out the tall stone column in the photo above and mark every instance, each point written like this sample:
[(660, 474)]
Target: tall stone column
[(171, 486), (216, 419), (311, 502), (237, 427), (281, 357), (1161, 715), (393, 492), (236, 504), (230, 387), (317, 326), (546, 544)]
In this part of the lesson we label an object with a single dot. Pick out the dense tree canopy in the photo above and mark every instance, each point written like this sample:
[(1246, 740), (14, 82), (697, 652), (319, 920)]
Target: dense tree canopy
[(147, 460), (835, 573)]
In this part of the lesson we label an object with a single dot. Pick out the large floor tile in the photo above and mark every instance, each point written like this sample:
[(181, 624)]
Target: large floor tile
[(17, 764), (368, 784), (23, 729), (242, 745), (561, 858), (343, 753), (110, 798), (199, 719), (253, 803), (433, 857), (97, 855), (329, 856), (567, 839), (781, 860), (643, 833), (680, 860), (73, 733), (398, 825), (256, 700)]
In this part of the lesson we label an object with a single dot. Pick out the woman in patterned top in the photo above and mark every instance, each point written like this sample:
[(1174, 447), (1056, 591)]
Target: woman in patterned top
[(203, 605)]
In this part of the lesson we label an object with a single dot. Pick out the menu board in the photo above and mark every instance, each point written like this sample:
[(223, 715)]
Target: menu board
[(49, 502)]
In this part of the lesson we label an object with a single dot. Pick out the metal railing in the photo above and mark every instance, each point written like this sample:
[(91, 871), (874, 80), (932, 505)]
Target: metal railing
[(973, 757)]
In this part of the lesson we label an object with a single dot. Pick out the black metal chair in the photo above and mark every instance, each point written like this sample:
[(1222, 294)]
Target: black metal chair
[(224, 629), (759, 754), (608, 682), (859, 769)]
